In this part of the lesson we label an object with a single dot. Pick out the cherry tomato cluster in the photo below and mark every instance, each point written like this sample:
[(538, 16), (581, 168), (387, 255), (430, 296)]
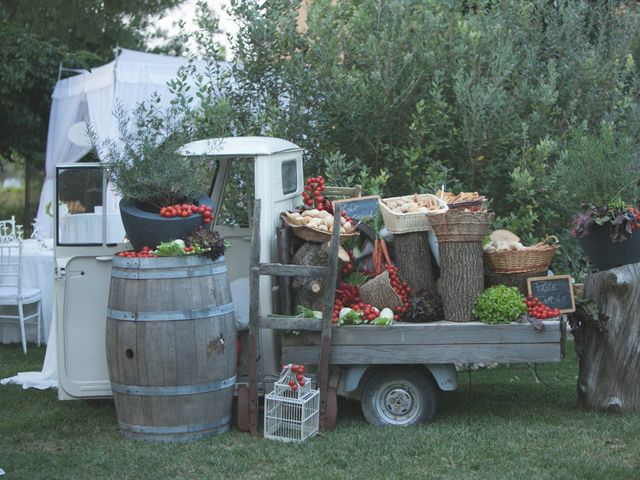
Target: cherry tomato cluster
[(401, 288), (347, 268), (186, 210), (298, 371), (146, 252), (312, 194), (538, 309)]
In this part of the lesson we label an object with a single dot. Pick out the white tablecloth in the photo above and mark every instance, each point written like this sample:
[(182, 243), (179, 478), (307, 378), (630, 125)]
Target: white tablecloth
[(37, 272), (87, 228)]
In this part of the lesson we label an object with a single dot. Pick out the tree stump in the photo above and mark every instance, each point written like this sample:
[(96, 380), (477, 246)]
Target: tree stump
[(461, 279), (309, 292), (607, 341), (415, 261)]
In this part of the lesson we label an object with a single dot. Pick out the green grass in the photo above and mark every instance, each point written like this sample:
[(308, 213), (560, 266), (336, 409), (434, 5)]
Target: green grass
[(500, 425)]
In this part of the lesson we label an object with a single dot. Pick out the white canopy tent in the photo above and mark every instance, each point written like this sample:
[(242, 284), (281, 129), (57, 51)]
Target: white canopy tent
[(90, 97)]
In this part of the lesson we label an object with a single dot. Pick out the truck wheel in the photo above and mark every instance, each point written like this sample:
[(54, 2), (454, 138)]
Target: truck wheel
[(398, 397)]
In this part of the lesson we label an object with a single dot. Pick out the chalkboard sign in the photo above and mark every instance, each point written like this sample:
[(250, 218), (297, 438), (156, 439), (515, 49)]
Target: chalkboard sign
[(359, 208), (555, 291)]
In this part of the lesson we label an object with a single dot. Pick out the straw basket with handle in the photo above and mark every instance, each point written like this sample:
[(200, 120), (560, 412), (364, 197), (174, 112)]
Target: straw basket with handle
[(416, 220), (314, 235), (532, 259)]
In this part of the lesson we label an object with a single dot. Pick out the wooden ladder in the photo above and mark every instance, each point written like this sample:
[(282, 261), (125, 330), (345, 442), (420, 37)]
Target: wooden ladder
[(256, 322)]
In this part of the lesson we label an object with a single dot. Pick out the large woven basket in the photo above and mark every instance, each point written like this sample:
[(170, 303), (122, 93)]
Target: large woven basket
[(409, 222), (460, 226), (315, 235), (535, 258), (379, 292)]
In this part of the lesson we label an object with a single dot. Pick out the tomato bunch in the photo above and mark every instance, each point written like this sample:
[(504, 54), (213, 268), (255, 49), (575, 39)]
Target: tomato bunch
[(312, 194), (186, 210), (146, 252), (298, 371), (401, 288), (538, 309)]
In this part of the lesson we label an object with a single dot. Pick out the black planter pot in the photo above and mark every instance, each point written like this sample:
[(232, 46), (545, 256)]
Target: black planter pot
[(145, 228), (606, 254)]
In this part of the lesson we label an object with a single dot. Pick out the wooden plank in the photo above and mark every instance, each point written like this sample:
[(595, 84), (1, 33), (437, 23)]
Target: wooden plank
[(283, 250), (293, 270), (327, 319), (440, 333), (412, 354), (291, 323), (254, 295)]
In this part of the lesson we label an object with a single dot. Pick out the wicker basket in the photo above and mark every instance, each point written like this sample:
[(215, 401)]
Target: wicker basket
[(535, 258), (409, 222), (379, 292), (315, 235), (459, 226)]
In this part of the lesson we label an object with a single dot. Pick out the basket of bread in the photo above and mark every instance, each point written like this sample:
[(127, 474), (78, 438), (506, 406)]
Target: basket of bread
[(506, 254), (462, 200), (410, 213), (317, 225)]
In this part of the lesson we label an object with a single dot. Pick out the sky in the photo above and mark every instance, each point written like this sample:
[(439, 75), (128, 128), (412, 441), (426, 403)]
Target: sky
[(186, 12)]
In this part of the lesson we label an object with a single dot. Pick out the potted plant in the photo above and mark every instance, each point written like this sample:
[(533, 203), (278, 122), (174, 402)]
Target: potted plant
[(606, 234), (599, 174), (161, 190)]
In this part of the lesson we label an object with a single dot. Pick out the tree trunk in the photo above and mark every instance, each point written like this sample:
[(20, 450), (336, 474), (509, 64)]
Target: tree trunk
[(518, 280), (607, 341), (309, 292), (415, 261), (461, 279)]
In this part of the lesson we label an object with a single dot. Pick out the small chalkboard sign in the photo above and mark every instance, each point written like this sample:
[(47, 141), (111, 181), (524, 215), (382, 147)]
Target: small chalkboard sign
[(555, 291), (359, 208)]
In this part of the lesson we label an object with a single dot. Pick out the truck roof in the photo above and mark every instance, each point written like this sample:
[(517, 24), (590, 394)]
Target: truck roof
[(238, 147)]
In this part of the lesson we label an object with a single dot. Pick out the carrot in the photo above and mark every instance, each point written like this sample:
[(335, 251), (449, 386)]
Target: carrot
[(385, 251), (375, 257)]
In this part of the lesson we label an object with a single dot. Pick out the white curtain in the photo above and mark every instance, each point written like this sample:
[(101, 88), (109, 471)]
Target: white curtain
[(67, 108)]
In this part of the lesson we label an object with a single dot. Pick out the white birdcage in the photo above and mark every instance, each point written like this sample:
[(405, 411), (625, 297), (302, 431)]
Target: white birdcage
[(291, 414)]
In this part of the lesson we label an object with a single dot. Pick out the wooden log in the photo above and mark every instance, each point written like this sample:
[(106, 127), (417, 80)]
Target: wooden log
[(518, 280), (607, 340), (309, 292), (461, 277), (415, 261)]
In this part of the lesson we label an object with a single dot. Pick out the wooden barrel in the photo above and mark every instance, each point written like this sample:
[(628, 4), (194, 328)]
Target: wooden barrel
[(171, 347)]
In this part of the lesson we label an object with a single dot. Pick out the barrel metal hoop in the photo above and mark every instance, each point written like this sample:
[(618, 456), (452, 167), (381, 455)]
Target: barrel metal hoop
[(172, 273), (170, 315), (173, 391), (177, 438), (222, 422), (164, 262)]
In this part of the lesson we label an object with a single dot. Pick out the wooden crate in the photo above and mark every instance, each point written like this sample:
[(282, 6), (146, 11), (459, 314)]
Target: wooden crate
[(440, 342)]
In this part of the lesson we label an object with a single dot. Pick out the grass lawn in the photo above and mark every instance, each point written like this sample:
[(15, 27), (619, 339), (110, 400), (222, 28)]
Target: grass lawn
[(500, 423)]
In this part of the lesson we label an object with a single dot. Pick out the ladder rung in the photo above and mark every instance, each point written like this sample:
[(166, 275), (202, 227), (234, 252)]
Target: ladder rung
[(291, 323), (279, 269)]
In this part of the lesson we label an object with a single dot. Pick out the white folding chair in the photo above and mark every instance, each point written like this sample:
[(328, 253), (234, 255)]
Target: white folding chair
[(8, 230), (11, 291)]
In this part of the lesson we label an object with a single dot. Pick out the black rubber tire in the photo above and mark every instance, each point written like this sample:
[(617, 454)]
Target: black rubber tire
[(399, 396)]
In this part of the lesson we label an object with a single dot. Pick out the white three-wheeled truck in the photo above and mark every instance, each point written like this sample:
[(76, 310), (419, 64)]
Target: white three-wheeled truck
[(396, 370)]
